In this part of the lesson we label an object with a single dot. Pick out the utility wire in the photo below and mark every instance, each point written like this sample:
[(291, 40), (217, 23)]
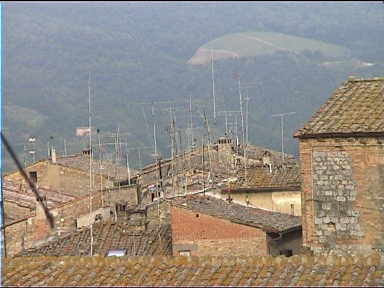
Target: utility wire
[(32, 185)]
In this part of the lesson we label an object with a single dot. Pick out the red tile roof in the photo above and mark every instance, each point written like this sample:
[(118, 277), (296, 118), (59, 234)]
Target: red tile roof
[(107, 168), (194, 271), (356, 108), (264, 219), (285, 177), (156, 240)]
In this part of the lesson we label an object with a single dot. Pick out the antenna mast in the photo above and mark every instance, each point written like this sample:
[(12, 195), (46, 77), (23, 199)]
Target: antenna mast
[(90, 159), (282, 131), (213, 88), (241, 109)]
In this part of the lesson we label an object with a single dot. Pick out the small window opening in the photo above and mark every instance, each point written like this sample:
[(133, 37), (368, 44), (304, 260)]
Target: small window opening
[(185, 253), (197, 215), (286, 252), (33, 176), (98, 217), (117, 252)]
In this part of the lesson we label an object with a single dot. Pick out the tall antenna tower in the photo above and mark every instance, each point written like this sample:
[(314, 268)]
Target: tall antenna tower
[(281, 115), (213, 88), (241, 109), (90, 160), (191, 120), (154, 132)]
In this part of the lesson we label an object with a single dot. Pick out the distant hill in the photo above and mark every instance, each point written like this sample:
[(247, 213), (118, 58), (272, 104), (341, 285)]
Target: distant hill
[(137, 54), (251, 44)]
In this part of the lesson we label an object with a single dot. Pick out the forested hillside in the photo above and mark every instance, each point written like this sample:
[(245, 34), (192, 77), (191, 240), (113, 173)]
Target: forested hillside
[(138, 52)]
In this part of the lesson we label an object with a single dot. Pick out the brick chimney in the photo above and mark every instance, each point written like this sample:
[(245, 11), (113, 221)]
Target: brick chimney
[(41, 229), (53, 153)]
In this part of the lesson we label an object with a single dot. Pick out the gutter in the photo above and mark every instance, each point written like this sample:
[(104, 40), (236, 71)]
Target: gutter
[(261, 189), (338, 135)]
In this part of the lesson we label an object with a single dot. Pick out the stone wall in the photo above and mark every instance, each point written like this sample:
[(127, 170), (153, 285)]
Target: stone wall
[(343, 194), (60, 178), (203, 235)]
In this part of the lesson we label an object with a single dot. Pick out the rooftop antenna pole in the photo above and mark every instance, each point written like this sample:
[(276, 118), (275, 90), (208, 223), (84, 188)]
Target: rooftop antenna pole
[(65, 148), (90, 159), (226, 123), (202, 140), (241, 108), (246, 137), (282, 130), (129, 171), (213, 88), (140, 164), (101, 177), (154, 131), (191, 121)]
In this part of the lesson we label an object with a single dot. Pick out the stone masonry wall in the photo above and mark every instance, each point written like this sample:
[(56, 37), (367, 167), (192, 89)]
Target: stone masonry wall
[(335, 191), (63, 179), (343, 195)]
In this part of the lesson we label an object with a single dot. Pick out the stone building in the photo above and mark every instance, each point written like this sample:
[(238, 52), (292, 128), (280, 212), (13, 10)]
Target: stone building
[(276, 189), (138, 231), (26, 225), (70, 174), (342, 167), (207, 226)]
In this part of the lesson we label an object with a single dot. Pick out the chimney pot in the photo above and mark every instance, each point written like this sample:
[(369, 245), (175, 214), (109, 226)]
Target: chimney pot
[(53, 153)]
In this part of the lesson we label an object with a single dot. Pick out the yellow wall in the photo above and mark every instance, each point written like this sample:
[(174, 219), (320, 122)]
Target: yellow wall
[(279, 201)]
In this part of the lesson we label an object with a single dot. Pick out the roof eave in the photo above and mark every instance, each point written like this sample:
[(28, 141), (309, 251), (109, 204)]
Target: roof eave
[(338, 135), (262, 189)]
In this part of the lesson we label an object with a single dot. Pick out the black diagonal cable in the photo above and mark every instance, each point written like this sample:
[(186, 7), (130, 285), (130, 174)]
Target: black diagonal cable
[(30, 182)]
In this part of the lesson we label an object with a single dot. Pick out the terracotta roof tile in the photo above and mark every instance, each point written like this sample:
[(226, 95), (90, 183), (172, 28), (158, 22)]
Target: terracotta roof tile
[(267, 220), (355, 107), (284, 177), (203, 271), (108, 168), (154, 241)]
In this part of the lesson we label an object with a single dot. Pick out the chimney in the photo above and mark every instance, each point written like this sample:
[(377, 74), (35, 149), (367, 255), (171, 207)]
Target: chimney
[(53, 153)]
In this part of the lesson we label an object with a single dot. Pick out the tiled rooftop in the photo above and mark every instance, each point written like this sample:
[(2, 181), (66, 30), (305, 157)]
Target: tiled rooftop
[(107, 168), (194, 271), (106, 236), (284, 177), (355, 107), (24, 197), (264, 219)]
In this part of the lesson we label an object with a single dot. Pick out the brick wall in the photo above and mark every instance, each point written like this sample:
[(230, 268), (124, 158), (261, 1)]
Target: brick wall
[(343, 194), (207, 235)]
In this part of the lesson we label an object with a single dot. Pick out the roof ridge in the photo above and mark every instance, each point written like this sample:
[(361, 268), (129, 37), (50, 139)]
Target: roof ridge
[(355, 79)]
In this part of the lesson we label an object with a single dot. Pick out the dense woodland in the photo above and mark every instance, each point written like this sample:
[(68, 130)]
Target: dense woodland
[(137, 52)]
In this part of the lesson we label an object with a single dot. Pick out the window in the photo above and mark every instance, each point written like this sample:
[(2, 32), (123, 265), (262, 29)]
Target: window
[(286, 252), (117, 252), (185, 253), (33, 176), (98, 217)]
